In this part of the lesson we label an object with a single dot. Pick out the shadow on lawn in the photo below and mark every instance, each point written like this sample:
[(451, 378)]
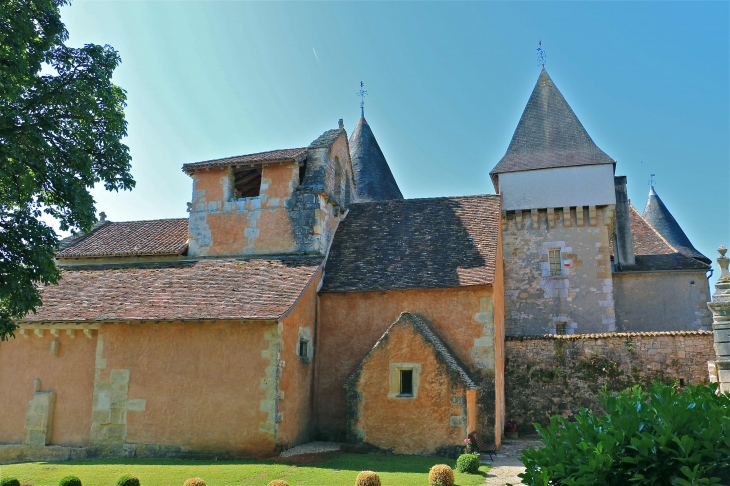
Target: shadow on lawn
[(336, 461)]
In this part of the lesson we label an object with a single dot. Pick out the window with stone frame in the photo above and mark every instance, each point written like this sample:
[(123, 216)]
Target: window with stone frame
[(561, 328), (556, 262), (406, 383)]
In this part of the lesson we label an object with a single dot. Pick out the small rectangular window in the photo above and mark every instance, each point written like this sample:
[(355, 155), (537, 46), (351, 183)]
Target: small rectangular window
[(556, 263), (303, 348), (406, 382), (560, 328), (247, 182)]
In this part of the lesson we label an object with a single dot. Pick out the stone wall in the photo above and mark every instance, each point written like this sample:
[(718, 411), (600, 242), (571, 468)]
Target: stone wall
[(535, 300), (557, 375), (667, 301)]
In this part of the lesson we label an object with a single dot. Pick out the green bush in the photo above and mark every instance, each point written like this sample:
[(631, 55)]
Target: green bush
[(660, 436), (9, 482), (468, 463), (128, 481), (70, 481)]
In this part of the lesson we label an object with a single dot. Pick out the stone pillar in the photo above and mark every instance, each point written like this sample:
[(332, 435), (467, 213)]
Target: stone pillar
[(38, 417), (720, 307)]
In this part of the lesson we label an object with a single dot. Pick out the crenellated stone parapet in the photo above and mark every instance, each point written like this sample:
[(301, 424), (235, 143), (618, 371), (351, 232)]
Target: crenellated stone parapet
[(720, 307)]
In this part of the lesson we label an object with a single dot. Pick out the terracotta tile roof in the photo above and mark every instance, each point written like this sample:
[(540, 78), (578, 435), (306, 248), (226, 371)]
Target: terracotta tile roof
[(415, 243), (283, 155), (549, 135), (653, 252), (187, 290), (130, 238), (647, 240)]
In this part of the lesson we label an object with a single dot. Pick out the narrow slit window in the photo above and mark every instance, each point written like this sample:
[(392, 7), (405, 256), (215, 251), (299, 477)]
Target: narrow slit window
[(303, 351), (556, 262), (560, 328), (406, 382), (247, 182)]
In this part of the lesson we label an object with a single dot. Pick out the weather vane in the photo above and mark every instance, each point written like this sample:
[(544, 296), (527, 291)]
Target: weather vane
[(651, 180), (541, 56), (362, 94)]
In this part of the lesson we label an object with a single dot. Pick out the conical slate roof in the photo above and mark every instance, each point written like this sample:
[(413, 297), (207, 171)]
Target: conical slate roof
[(549, 135), (657, 214), (373, 179)]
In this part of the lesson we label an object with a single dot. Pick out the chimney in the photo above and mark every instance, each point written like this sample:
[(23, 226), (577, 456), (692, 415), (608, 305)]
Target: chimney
[(624, 242)]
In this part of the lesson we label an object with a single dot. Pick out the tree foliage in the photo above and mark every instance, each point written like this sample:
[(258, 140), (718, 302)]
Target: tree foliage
[(661, 436), (61, 126)]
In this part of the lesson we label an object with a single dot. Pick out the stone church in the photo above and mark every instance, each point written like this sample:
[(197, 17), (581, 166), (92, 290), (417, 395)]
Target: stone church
[(304, 298)]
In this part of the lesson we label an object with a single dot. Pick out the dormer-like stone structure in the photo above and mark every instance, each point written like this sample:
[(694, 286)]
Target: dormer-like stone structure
[(281, 202)]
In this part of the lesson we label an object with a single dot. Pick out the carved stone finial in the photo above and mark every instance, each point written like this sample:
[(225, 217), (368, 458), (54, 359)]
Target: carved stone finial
[(723, 261), (37, 385), (102, 216), (341, 124)]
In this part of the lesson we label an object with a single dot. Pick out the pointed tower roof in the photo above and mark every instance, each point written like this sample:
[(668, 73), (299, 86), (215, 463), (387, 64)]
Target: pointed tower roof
[(549, 135), (657, 214), (373, 179)]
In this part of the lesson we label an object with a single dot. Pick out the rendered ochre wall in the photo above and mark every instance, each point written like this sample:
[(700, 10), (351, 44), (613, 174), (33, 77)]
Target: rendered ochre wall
[(70, 374), (590, 185), (433, 420), (350, 324)]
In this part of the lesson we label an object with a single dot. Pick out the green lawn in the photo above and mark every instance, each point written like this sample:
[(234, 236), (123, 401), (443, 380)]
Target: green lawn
[(332, 470)]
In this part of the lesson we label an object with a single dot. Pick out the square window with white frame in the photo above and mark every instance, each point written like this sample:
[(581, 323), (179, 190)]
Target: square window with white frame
[(556, 262)]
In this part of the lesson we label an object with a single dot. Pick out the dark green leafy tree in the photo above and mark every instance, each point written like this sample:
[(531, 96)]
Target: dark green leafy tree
[(61, 126), (658, 437)]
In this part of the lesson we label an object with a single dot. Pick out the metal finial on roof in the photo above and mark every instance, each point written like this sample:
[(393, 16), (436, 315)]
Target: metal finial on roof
[(362, 94), (651, 180), (541, 56)]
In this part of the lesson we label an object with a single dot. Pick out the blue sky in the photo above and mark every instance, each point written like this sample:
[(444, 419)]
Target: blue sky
[(447, 83)]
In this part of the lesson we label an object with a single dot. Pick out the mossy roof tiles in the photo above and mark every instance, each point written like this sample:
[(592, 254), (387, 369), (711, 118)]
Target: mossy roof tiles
[(129, 238), (415, 243), (282, 155), (226, 289)]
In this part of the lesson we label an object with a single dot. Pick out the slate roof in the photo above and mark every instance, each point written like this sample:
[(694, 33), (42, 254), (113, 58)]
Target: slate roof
[(660, 218), (653, 252), (415, 243), (283, 155), (182, 290), (373, 179), (129, 238), (549, 135), (441, 350)]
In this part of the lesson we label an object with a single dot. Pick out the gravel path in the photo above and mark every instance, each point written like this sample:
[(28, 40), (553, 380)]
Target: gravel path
[(506, 464), (311, 448)]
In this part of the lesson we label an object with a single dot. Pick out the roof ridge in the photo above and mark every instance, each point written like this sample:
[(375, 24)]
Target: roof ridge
[(435, 198)]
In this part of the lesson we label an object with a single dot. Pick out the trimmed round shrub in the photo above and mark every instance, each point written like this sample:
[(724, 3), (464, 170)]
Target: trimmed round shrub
[(70, 481), (441, 475), (194, 482), (468, 463), (278, 482), (9, 482), (367, 478), (128, 481)]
